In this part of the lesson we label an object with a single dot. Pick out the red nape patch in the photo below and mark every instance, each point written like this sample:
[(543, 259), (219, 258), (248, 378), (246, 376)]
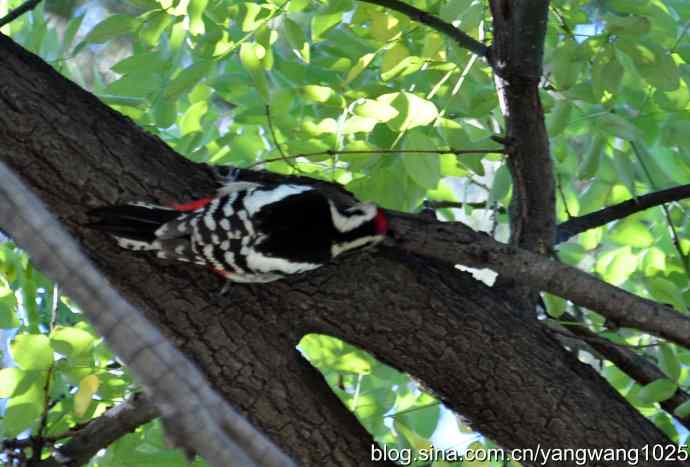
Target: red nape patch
[(192, 205), (381, 222)]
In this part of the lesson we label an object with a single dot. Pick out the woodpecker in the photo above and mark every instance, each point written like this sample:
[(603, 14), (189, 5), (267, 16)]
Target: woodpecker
[(248, 232)]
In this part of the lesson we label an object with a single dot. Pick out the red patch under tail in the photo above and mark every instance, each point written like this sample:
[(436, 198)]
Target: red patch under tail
[(192, 205)]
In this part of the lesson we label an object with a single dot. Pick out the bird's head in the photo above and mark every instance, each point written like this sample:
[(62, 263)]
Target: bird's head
[(356, 227)]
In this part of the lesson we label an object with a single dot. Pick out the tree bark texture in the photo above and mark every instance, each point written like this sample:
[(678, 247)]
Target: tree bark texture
[(464, 341)]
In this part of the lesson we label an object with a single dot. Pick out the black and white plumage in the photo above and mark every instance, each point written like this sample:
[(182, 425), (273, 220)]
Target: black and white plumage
[(248, 232)]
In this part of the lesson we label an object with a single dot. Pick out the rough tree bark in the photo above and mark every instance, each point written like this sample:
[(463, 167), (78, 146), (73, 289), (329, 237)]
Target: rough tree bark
[(519, 29), (463, 340)]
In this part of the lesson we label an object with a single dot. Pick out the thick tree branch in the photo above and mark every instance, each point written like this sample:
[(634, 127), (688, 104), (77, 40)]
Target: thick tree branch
[(17, 12), (637, 367), (459, 244), (198, 420), (418, 314), (447, 29), (577, 225), (102, 431)]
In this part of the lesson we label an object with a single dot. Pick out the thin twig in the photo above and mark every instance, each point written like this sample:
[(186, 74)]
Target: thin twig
[(434, 22), (333, 152), (603, 340), (54, 308), (676, 239), (562, 22), (638, 367), (580, 224), (17, 12), (432, 204), (680, 37), (38, 442), (413, 409), (283, 156)]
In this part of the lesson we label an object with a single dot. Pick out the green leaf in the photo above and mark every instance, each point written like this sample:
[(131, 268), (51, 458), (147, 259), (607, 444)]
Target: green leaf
[(143, 62), (675, 132), (558, 118), (297, 39), (654, 261), (673, 101), (454, 9), (654, 63), (389, 187), (572, 254), (607, 75), (657, 391), (317, 93), (501, 186), (555, 306), (567, 63), (668, 361), (249, 13), (24, 409), (324, 22), (403, 68), (379, 111), (450, 166), (683, 410), (29, 287), (633, 25), (595, 196), (10, 378), (71, 341), (251, 56), (615, 125), (392, 57), (423, 168), (164, 111), (187, 79), (356, 70), (356, 124), (665, 291), (195, 10), (631, 232), (590, 161), (383, 26), (8, 309), (32, 351), (70, 32), (153, 27), (132, 85), (82, 399), (111, 27), (414, 440), (413, 111), (327, 125), (622, 264), (590, 239), (353, 362), (191, 120), (265, 37)]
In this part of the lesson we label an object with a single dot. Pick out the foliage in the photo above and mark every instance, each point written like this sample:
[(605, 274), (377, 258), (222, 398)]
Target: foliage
[(239, 82)]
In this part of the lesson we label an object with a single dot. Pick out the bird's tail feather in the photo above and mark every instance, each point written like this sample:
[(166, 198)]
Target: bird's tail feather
[(138, 227), (137, 222)]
